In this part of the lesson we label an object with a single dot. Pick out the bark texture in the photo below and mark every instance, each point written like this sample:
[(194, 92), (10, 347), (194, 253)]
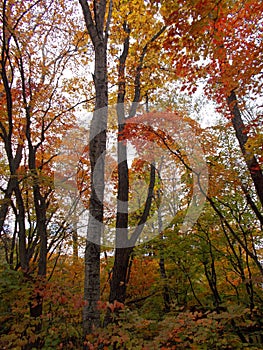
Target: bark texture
[(241, 134), (98, 31)]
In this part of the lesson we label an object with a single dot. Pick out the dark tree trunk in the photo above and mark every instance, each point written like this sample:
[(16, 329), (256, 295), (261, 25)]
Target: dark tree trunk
[(122, 256), (124, 245), (118, 282), (241, 134), (22, 248), (6, 134), (97, 147), (120, 275), (40, 205)]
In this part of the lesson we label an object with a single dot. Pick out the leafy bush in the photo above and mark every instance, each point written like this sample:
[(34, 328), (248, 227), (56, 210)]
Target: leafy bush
[(59, 326)]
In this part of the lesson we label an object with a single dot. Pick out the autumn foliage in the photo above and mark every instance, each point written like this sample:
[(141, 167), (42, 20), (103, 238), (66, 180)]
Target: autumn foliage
[(176, 260)]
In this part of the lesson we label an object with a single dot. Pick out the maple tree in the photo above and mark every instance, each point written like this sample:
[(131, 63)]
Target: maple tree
[(222, 43), (127, 27), (33, 107), (137, 63)]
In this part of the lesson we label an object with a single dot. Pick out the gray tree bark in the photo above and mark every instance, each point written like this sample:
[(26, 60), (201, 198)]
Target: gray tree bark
[(98, 31)]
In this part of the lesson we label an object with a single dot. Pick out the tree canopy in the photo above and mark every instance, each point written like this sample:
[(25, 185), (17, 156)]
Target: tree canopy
[(125, 221)]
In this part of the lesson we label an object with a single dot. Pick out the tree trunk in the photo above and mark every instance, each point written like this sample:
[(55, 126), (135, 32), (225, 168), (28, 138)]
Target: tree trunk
[(6, 134), (120, 277), (241, 134), (97, 148), (124, 245), (123, 253), (23, 256), (118, 282)]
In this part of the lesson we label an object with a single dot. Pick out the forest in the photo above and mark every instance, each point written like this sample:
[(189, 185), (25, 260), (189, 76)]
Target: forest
[(131, 183)]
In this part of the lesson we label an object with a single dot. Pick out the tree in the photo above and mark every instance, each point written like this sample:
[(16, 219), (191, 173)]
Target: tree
[(98, 28), (137, 86), (223, 44), (34, 58)]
